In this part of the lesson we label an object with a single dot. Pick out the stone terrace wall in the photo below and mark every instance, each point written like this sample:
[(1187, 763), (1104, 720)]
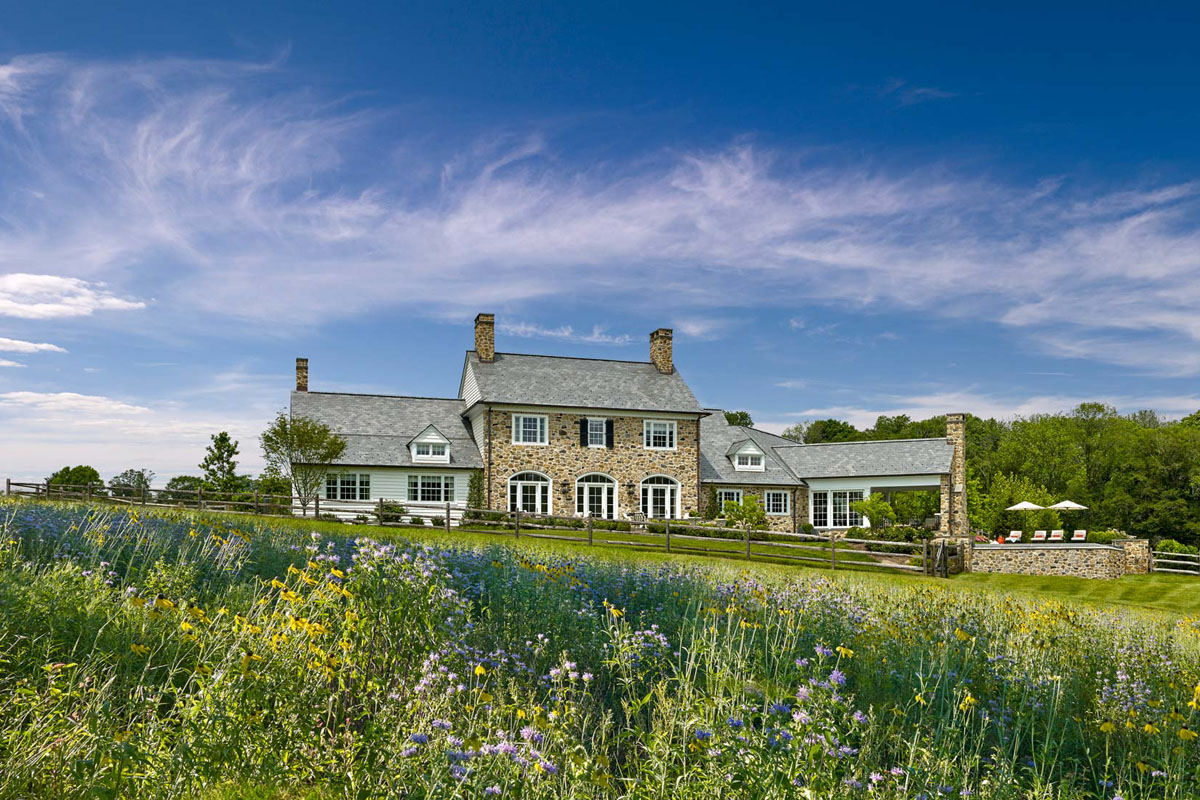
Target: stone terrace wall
[(1081, 561)]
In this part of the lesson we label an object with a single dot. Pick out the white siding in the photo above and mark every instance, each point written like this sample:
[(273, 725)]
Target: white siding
[(391, 483), (470, 387), (478, 421)]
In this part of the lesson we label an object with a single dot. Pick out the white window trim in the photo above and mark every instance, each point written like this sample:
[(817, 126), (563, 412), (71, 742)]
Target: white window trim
[(749, 467), (548, 483), (616, 509), (545, 429), (358, 481), (441, 475), (787, 502), (603, 432), (430, 459), (829, 522), (721, 499), (646, 433), (678, 494)]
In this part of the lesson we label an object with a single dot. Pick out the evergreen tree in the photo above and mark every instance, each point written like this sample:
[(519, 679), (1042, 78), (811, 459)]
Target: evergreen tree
[(219, 464)]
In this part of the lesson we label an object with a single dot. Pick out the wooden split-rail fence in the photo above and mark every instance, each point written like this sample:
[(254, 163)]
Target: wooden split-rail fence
[(829, 549)]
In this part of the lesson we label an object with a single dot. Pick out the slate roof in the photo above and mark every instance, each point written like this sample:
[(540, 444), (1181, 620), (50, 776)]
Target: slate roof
[(868, 459), (788, 463), (580, 382), (378, 428)]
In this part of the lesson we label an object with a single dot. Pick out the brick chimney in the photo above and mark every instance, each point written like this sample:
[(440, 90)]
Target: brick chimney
[(485, 337), (661, 350), (956, 434), (301, 374)]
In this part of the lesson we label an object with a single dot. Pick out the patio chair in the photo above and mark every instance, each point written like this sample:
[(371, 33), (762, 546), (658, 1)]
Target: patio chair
[(1014, 536), (1056, 536), (1039, 536), (1079, 536)]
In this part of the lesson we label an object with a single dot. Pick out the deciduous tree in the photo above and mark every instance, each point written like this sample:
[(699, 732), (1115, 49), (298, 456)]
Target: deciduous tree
[(301, 449)]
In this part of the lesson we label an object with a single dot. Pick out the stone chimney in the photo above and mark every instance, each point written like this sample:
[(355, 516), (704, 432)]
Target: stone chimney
[(485, 337), (301, 374), (661, 354), (956, 434)]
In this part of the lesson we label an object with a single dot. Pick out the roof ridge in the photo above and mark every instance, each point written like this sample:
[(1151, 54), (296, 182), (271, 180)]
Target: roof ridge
[(573, 358), (390, 396), (863, 441)]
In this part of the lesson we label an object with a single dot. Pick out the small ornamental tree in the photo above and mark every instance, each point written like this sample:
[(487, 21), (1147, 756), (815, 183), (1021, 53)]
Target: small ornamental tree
[(302, 450), (748, 514), (876, 509), (219, 464), (740, 418), (475, 493), (712, 508)]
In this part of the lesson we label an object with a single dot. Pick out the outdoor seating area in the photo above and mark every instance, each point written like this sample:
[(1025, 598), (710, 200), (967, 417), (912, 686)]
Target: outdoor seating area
[(1056, 536)]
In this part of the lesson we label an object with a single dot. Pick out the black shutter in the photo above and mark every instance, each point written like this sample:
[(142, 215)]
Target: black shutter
[(608, 432), (583, 436)]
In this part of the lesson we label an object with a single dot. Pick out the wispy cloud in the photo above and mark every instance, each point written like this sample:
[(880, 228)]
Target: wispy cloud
[(4, 362), (198, 183), (903, 93), (19, 346), (531, 330), (704, 328)]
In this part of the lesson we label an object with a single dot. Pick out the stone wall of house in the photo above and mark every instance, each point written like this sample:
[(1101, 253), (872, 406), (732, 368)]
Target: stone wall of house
[(565, 460), (1096, 561), (781, 523)]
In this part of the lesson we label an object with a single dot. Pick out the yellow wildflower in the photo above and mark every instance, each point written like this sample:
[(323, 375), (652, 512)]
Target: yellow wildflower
[(1107, 727), (163, 602), (140, 649), (1187, 734), (138, 601), (479, 670), (961, 635), (1150, 728), (844, 652), (967, 702)]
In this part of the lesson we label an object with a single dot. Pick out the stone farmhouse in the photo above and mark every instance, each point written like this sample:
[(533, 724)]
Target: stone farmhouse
[(611, 439)]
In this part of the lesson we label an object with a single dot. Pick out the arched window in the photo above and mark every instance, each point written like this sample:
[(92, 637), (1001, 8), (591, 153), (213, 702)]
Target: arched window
[(660, 497), (596, 496), (529, 491)]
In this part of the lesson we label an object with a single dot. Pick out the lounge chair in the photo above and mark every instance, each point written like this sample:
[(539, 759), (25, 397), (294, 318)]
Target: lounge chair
[(1056, 536), (1079, 536), (1039, 536), (1014, 536)]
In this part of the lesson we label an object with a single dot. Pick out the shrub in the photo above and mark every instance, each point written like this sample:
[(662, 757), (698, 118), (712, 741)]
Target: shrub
[(1172, 546), (391, 511), (418, 522), (438, 522), (1103, 537)]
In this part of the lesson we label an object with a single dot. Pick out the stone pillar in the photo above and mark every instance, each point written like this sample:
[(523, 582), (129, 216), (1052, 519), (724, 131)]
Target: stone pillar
[(956, 435), (1137, 556), (485, 337), (661, 354), (301, 374)]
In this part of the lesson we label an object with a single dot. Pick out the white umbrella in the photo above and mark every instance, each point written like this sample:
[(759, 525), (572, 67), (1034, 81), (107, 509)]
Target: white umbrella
[(1025, 505), (1067, 505)]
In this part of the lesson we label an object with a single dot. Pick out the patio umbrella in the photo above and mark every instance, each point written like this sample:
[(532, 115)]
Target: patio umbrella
[(1067, 505), (1025, 505)]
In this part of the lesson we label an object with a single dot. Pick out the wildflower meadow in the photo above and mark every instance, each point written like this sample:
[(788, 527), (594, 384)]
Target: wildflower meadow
[(174, 655)]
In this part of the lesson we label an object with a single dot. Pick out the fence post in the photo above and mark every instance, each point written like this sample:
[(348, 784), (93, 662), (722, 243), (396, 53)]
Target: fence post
[(256, 502), (747, 541), (668, 521), (317, 506), (379, 513), (7, 487), (833, 551), (447, 516), (199, 498), (925, 557), (143, 495), (517, 524), (589, 520)]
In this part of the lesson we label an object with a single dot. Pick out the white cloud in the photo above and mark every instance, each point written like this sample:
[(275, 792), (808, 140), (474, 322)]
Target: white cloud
[(199, 182), (4, 362), (704, 328), (530, 330), (18, 346), (53, 296)]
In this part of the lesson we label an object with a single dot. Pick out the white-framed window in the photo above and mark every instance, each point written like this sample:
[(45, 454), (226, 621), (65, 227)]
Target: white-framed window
[(431, 451), (348, 486), (777, 503), (431, 488), (530, 492), (728, 496), (752, 462), (660, 497), (596, 496), (597, 432), (530, 429), (659, 434), (831, 509)]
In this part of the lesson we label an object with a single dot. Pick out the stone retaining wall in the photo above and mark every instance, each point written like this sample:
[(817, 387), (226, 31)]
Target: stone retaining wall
[(1082, 560)]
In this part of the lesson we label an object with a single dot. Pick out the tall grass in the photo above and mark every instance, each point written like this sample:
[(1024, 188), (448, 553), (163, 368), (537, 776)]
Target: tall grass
[(174, 655)]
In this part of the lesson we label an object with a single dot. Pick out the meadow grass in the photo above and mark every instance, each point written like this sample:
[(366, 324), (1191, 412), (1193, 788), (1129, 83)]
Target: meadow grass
[(205, 656)]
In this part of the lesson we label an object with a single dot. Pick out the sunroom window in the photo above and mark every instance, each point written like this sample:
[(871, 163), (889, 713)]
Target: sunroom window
[(348, 486)]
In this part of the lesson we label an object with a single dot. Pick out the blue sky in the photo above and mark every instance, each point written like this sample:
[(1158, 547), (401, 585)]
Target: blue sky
[(840, 212)]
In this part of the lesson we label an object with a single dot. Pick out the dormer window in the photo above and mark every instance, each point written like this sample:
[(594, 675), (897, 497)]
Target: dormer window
[(746, 456), (430, 447), (749, 461)]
